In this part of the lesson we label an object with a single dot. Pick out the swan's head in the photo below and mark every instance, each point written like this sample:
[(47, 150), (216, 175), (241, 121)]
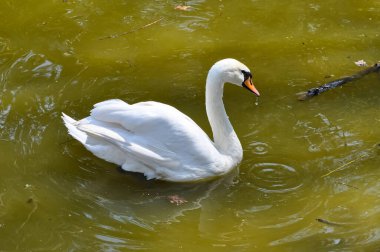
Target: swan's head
[(234, 72)]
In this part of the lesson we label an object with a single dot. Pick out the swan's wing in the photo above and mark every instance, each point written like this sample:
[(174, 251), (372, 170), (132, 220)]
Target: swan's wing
[(160, 128), (146, 154)]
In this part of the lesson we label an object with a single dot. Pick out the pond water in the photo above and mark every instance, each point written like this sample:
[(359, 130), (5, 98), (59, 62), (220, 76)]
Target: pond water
[(309, 179)]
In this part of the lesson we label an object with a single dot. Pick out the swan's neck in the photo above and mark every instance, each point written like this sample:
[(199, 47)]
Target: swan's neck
[(225, 138)]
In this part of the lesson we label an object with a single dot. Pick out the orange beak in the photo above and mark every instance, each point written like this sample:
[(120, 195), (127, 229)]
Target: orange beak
[(249, 85)]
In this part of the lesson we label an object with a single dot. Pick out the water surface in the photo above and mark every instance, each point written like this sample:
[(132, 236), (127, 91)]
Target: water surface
[(66, 55)]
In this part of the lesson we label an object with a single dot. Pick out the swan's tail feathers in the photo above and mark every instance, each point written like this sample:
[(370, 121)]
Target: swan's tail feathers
[(70, 124)]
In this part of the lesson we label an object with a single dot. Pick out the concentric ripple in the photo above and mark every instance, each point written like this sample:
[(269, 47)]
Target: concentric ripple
[(275, 177), (259, 148)]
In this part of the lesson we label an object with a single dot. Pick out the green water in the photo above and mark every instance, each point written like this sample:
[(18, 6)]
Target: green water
[(58, 56)]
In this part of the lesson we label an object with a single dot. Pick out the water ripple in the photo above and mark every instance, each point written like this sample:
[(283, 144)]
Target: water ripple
[(259, 148), (274, 177)]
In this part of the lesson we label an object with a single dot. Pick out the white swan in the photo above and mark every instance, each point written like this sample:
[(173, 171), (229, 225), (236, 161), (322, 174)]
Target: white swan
[(158, 140)]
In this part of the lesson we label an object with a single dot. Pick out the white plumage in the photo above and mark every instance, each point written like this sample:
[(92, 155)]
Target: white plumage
[(158, 140)]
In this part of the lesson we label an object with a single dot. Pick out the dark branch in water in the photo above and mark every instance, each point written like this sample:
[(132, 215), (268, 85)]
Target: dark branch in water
[(302, 96), (328, 222)]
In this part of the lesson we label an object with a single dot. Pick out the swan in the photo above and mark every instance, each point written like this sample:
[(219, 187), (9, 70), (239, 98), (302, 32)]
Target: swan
[(161, 142)]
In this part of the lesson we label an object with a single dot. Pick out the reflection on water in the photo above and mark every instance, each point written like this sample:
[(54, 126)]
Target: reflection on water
[(122, 210), (326, 136), (140, 203), (309, 177)]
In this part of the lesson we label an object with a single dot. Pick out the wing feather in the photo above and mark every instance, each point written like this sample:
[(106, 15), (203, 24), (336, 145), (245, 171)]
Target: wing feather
[(148, 154)]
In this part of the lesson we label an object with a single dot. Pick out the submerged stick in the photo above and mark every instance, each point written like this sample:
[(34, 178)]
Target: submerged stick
[(332, 223), (328, 222), (367, 153), (342, 166), (302, 96), (131, 31), (351, 186)]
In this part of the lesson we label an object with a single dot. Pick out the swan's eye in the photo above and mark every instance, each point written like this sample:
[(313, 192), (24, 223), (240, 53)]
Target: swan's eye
[(246, 74)]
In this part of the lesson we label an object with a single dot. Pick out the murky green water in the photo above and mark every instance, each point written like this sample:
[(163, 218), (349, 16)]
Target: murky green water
[(55, 56)]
